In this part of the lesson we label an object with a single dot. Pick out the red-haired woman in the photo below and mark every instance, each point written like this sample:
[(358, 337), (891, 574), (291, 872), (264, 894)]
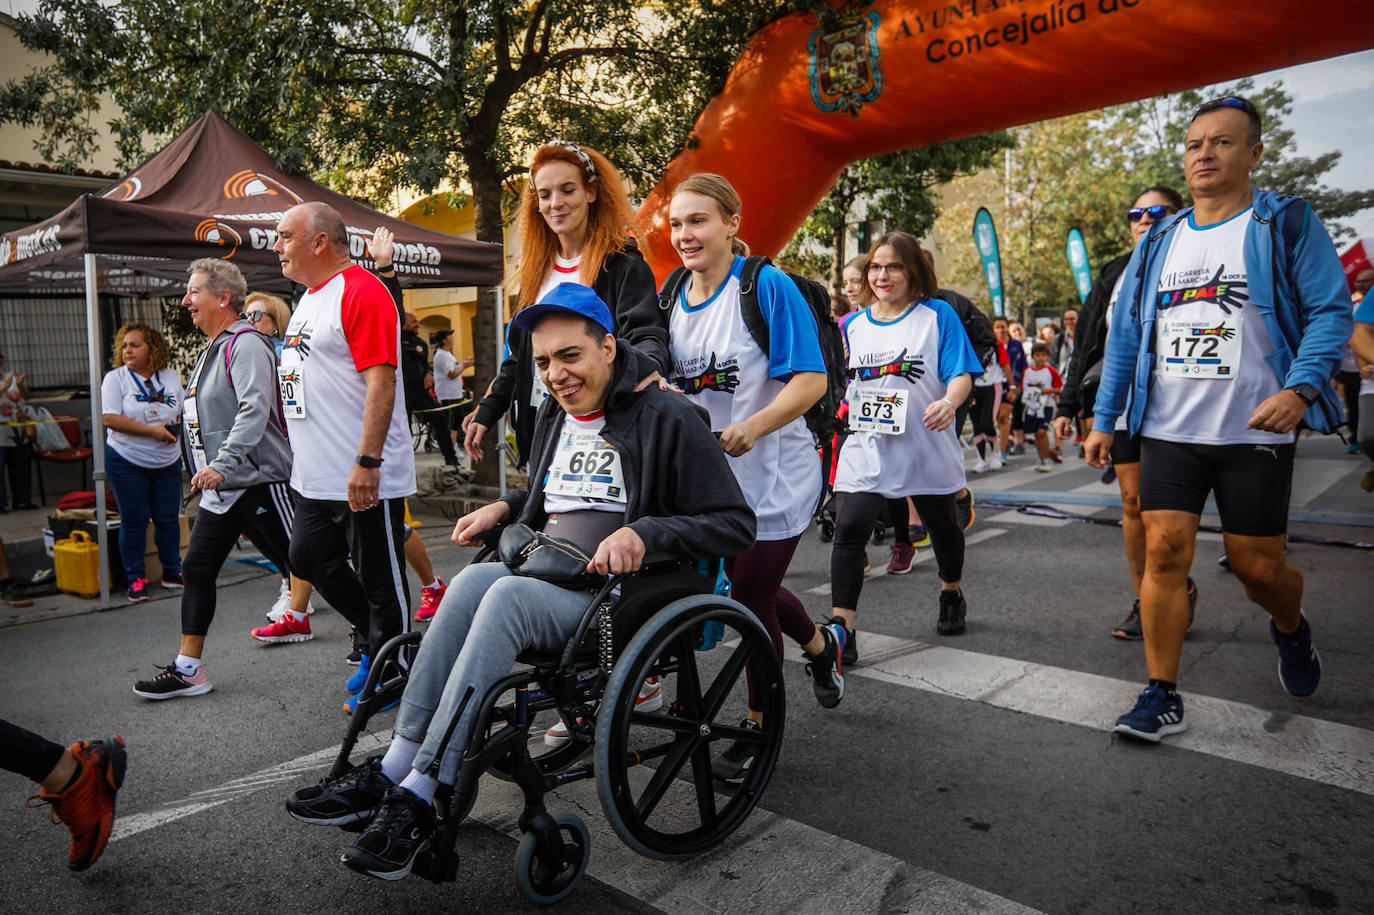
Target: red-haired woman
[(575, 219)]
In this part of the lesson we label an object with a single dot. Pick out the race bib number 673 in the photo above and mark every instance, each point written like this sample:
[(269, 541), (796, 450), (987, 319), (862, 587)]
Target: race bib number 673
[(877, 410)]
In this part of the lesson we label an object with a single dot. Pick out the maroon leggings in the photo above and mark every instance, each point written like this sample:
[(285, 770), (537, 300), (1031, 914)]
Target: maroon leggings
[(756, 581)]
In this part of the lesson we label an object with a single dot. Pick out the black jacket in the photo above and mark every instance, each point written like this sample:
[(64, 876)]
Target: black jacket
[(626, 285), (976, 324), (414, 363), (681, 494), (1085, 365)]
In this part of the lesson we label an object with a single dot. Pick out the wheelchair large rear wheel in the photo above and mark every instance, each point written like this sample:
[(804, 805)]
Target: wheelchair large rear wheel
[(654, 770)]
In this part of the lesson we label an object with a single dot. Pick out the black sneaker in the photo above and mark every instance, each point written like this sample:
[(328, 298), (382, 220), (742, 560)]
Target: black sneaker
[(399, 832), (350, 798), (734, 764), (850, 655), (1157, 714), (953, 609), (1129, 628), (827, 668), (171, 683), (963, 507), (1300, 670), (355, 657)]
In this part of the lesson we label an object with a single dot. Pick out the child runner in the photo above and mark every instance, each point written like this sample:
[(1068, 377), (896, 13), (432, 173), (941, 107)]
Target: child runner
[(1041, 384)]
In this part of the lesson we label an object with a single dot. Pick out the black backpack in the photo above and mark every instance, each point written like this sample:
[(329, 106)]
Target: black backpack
[(821, 416)]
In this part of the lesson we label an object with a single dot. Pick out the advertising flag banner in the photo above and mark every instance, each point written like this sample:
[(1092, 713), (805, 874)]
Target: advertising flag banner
[(1078, 263), (985, 237)]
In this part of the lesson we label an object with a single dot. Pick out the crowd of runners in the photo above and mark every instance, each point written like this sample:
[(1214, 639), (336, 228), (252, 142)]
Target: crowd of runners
[(1195, 361)]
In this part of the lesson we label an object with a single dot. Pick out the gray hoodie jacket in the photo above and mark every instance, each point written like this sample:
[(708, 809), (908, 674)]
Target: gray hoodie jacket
[(239, 413)]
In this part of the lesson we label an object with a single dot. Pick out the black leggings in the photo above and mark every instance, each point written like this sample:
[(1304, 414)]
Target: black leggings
[(31, 755), (376, 597), (1350, 386), (983, 412), (855, 513), (263, 514), (756, 581)]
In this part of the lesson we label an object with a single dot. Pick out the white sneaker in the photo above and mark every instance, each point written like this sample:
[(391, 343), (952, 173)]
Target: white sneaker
[(1043, 466), (283, 604), (994, 461), (650, 699), (981, 466)]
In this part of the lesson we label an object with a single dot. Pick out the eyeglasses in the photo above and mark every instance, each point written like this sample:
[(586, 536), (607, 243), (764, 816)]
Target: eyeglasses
[(889, 269), (255, 316), (1156, 212)]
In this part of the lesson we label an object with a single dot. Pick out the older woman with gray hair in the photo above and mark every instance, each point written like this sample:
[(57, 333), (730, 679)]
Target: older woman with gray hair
[(234, 442)]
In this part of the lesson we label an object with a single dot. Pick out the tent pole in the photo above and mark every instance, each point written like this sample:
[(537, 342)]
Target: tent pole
[(500, 423), (97, 427)]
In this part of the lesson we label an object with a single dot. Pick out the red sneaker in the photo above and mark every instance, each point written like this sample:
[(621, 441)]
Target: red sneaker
[(429, 600), (87, 806), (286, 629)]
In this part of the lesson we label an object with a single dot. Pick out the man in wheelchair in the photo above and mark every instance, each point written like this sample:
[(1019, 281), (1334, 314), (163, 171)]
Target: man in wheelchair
[(618, 471)]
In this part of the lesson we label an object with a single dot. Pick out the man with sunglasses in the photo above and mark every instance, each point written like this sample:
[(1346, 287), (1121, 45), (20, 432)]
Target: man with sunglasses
[(1229, 325)]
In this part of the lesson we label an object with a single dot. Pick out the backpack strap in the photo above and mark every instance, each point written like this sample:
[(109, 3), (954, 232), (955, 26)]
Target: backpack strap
[(278, 416), (672, 288), (1291, 223), (749, 301)]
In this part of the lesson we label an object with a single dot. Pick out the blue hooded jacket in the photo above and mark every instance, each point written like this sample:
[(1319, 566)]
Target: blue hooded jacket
[(1305, 306)]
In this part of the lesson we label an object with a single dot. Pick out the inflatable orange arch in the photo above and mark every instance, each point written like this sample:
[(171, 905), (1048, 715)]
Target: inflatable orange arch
[(812, 93)]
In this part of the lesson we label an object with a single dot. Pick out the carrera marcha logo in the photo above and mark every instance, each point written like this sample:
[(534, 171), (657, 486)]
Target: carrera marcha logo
[(844, 60), (215, 232), (249, 183)]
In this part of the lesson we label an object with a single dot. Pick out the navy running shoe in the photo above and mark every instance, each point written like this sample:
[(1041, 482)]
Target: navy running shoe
[(1300, 670), (1157, 714)]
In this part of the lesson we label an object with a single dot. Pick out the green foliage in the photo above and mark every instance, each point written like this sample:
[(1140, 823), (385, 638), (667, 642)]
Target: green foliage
[(899, 189)]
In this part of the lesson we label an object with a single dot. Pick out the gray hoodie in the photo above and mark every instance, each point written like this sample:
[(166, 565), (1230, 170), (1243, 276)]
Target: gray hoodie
[(240, 416)]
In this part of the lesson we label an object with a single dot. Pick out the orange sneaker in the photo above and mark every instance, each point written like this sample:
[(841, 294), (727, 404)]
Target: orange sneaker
[(87, 805)]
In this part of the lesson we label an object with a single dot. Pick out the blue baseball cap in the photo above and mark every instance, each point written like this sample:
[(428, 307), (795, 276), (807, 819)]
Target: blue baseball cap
[(567, 298)]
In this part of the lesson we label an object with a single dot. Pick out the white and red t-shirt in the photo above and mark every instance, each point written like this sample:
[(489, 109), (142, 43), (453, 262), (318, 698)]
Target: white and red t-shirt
[(1039, 387), (339, 329)]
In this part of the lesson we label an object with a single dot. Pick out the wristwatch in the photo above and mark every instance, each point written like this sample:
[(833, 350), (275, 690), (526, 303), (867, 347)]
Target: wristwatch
[(367, 461), (1305, 391)]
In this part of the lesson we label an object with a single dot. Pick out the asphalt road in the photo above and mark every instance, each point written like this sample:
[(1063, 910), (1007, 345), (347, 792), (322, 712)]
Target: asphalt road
[(974, 773)]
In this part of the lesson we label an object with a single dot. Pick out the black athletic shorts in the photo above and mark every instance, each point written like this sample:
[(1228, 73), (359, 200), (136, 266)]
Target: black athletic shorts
[(1251, 483), (1125, 447)]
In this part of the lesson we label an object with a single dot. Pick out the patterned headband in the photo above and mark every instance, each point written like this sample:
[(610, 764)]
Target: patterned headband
[(588, 165)]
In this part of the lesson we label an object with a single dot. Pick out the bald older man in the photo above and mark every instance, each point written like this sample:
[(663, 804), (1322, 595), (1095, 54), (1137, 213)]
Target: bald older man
[(353, 463)]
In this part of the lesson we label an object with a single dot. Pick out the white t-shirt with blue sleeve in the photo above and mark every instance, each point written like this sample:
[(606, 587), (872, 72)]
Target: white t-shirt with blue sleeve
[(718, 363), (899, 368)]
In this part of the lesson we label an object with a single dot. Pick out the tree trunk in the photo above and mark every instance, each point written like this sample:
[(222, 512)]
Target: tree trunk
[(837, 267), (486, 199)]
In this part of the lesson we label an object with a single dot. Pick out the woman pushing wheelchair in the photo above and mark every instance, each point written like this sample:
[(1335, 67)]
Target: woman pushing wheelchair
[(618, 472)]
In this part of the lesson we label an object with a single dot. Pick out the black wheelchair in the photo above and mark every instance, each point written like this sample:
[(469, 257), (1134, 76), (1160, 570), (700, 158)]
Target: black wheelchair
[(652, 769)]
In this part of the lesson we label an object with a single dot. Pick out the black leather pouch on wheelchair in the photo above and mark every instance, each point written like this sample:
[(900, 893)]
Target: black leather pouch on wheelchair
[(535, 554)]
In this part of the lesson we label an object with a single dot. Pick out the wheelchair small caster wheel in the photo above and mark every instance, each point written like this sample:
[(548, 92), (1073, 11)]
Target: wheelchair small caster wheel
[(879, 534), (544, 881), (826, 531)]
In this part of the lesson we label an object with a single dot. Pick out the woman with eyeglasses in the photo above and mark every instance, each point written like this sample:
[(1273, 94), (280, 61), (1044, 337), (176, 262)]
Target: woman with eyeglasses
[(910, 363), (574, 224), (1152, 206)]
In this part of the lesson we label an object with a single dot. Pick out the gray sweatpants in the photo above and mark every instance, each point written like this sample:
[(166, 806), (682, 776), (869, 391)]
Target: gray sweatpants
[(486, 618)]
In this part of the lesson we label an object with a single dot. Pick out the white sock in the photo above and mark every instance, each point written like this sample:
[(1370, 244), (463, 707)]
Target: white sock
[(187, 667), (399, 756), (421, 785), (430, 585), (298, 616)]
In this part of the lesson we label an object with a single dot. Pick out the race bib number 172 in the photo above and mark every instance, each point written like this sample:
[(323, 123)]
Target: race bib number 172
[(1200, 349)]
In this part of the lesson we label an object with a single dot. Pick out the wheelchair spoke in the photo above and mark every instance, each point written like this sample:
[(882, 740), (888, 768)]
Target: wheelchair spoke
[(689, 682), (704, 785), (726, 679), (664, 775), (661, 722)]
